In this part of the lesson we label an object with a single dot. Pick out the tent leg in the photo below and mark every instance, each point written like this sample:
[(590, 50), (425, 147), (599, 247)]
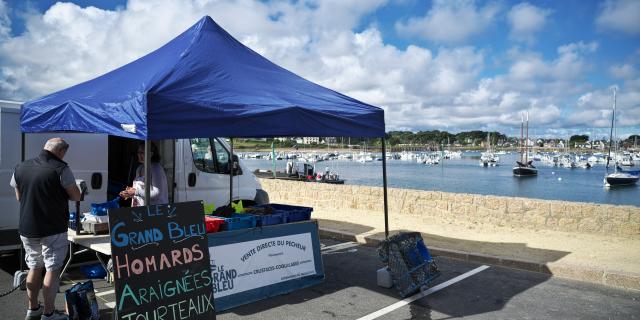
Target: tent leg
[(22, 158), (230, 171), (147, 173), (384, 186)]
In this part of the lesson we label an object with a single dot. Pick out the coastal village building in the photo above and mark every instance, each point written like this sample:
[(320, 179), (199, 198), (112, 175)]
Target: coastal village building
[(310, 140)]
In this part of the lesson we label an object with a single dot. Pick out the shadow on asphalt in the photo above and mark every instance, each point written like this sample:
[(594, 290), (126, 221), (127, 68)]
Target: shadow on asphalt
[(10, 262), (352, 227), (476, 301), (350, 279), (16, 302), (487, 294)]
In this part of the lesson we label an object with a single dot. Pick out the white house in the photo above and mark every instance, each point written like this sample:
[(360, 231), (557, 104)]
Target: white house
[(310, 140)]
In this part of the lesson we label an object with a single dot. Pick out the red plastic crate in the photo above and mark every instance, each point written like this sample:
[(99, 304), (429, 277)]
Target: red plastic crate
[(212, 224)]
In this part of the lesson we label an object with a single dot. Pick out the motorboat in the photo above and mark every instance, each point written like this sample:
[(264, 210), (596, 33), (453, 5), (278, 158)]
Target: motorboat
[(566, 162), (626, 161), (620, 179), (489, 159), (584, 165)]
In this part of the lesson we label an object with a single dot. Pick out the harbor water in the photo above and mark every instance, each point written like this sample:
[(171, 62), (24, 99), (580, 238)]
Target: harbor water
[(465, 175)]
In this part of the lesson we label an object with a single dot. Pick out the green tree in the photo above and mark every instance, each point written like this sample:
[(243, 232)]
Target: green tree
[(578, 139)]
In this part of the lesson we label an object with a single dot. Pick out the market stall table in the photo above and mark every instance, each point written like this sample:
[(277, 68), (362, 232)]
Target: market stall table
[(100, 244)]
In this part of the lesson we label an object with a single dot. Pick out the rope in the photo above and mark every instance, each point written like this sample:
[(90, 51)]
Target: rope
[(14, 289)]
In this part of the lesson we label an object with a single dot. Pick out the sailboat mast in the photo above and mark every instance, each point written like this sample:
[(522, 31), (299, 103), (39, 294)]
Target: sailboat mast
[(613, 119), (521, 133), (526, 142)]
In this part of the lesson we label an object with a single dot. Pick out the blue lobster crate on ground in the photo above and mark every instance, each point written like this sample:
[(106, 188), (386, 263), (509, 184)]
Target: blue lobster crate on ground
[(290, 213), (407, 258), (239, 221)]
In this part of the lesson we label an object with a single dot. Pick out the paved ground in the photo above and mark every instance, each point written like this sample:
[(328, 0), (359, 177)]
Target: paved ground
[(350, 292)]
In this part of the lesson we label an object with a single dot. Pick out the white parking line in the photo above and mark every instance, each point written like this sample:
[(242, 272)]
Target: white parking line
[(422, 294), (100, 294), (110, 304), (338, 247)]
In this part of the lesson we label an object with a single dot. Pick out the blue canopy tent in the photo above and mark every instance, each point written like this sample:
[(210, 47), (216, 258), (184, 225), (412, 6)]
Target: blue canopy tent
[(204, 83)]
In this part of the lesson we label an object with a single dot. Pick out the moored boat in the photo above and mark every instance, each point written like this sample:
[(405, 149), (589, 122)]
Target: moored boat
[(524, 167), (620, 179), (617, 178)]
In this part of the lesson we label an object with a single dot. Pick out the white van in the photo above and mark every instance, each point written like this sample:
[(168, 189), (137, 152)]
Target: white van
[(108, 164)]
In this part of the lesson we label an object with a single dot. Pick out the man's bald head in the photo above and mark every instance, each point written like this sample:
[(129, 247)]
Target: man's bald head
[(57, 146)]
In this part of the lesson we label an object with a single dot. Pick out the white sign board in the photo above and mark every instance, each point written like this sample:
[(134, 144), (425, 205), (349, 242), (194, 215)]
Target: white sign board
[(243, 266)]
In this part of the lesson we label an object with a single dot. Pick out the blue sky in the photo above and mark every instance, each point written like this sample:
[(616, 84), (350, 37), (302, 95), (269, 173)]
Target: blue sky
[(450, 65)]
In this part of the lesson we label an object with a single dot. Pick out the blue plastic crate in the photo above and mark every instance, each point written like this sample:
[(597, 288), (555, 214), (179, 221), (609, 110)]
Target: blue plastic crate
[(291, 213), (277, 217), (238, 221), (296, 213)]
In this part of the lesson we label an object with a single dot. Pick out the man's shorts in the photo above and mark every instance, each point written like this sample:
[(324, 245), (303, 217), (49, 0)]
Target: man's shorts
[(48, 252)]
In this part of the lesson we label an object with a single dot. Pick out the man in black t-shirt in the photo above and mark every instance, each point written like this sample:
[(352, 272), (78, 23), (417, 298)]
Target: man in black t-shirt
[(43, 186)]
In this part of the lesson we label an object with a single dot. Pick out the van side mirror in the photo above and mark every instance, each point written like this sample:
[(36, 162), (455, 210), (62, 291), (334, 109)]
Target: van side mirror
[(191, 179), (236, 165), (96, 180)]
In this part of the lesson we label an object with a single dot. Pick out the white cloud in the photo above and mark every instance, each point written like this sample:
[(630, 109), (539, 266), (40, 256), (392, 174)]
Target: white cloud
[(620, 15), (420, 88), (451, 21), (5, 22), (525, 20), (534, 84), (623, 71), (593, 109), (72, 44)]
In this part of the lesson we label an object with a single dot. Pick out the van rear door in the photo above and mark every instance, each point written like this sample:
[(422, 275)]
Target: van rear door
[(10, 155), (87, 158)]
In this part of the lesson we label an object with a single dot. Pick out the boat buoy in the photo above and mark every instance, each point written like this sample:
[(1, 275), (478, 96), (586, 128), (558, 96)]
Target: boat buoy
[(559, 179), (553, 172)]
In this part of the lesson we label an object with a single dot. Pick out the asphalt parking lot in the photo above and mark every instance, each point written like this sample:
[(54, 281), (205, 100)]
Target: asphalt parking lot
[(350, 292)]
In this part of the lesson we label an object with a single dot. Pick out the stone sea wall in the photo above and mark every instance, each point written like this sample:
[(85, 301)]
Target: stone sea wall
[(465, 209)]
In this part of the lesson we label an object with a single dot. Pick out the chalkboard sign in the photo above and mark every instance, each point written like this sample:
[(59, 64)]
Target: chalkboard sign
[(161, 262)]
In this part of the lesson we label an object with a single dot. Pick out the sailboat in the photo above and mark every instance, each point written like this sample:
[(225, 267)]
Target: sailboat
[(617, 178), (488, 158), (365, 156), (524, 167)]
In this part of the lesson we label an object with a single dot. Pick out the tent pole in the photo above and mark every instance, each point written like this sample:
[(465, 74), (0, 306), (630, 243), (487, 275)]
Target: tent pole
[(173, 173), (230, 171), (147, 173), (22, 142), (22, 156), (384, 184)]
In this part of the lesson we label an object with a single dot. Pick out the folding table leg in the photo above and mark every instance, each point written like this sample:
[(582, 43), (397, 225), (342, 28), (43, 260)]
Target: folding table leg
[(71, 254), (104, 265)]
